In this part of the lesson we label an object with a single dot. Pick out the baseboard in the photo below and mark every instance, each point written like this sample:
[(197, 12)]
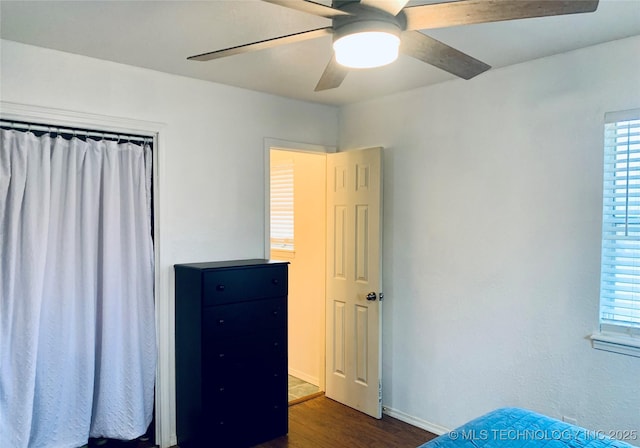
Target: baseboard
[(304, 377), (415, 421)]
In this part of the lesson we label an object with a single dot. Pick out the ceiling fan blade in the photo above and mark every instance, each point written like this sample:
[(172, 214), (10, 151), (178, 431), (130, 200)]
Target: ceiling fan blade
[(263, 44), (393, 7), (467, 12), (332, 76), (434, 52), (317, 9)]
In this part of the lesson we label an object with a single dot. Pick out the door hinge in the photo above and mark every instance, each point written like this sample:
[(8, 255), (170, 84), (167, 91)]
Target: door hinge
[(381, 295)]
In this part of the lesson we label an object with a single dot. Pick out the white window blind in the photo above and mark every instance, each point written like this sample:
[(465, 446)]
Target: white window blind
[(282, 205), (620, 275)]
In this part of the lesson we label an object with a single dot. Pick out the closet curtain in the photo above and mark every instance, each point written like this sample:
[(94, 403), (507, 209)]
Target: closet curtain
[(77, 321)]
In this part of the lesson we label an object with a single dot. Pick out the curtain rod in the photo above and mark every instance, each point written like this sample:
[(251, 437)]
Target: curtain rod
[(52, 129)]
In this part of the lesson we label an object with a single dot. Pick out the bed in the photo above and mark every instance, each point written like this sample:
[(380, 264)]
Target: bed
[(519, 428)]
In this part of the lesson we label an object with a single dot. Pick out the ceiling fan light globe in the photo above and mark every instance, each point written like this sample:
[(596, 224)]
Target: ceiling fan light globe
[(366, 49)]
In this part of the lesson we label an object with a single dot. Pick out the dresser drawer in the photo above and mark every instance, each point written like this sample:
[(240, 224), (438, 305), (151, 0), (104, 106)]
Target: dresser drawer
[(244, 387), (230, 321), (239, 285), (225, 358)]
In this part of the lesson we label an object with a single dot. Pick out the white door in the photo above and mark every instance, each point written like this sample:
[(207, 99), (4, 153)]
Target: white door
[(353, 345)]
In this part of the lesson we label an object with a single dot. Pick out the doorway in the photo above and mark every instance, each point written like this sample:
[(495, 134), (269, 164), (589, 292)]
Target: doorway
[(297, 223)]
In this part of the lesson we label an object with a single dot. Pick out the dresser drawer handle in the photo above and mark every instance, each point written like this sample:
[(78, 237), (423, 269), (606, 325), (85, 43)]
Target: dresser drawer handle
[(220, 288), (275, 281)]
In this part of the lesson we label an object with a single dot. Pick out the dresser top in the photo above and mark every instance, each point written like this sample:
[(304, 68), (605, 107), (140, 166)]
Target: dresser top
[(230, 263)]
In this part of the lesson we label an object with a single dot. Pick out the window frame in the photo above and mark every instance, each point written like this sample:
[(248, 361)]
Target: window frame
[(616, 333)]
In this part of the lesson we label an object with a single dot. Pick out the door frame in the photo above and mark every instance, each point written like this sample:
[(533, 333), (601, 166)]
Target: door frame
[(285, 145)]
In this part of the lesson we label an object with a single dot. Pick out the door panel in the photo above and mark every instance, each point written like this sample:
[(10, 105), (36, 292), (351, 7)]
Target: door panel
[(338, 338), (354, 190)]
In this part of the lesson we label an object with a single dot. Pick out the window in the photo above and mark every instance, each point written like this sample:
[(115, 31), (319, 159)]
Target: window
[(620, 267), (282, 205)]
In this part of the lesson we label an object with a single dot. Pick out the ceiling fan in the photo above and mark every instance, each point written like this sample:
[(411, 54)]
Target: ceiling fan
[(371, 33)]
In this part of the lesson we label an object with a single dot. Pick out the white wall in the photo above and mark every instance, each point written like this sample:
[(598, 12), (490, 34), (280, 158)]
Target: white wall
[(211, 182), (492, 240)]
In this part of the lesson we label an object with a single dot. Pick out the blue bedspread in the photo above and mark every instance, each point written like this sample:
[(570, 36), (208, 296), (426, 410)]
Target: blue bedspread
[(519, 428)]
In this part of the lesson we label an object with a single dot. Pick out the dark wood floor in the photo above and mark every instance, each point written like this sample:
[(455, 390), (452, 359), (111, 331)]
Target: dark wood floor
[(321, 422)]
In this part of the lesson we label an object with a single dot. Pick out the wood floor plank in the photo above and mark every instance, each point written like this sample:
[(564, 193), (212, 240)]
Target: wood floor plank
[(324, 423)]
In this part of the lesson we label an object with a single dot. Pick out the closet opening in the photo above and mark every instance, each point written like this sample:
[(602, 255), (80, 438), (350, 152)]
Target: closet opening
[(77, 246)]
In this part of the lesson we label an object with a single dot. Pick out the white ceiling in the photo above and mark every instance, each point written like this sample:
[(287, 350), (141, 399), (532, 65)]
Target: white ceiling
[(159, 35)]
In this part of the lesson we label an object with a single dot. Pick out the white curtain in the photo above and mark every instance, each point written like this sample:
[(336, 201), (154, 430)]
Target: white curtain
[(77, 331)]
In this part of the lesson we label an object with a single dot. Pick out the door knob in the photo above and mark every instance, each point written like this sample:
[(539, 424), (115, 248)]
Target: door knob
[(371, 296)]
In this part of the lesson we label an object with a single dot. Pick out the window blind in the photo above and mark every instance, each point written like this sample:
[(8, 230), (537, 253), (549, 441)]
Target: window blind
[(620, 275), (281, 185)]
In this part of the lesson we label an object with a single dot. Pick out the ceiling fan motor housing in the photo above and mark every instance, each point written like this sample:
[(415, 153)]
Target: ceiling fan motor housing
[(363, 19)]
